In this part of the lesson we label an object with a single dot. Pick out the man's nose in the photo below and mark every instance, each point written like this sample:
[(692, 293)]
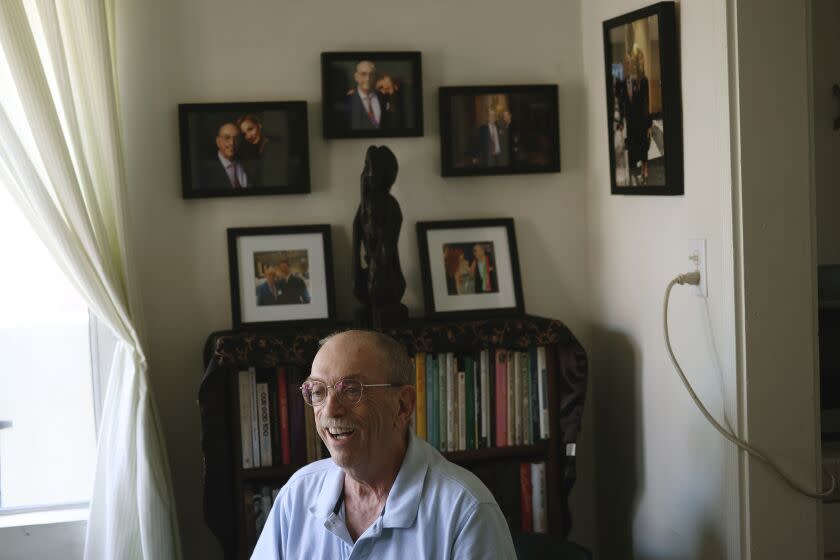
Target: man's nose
[(332, 404)]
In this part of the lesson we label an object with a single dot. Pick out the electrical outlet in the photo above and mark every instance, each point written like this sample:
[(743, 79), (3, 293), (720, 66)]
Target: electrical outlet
[(697, 261)]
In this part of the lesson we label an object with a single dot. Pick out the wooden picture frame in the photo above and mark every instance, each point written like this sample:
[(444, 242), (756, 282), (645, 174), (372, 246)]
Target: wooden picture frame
[(372, 94), (644, 107), (281, 275), (244, 149), (499, 130), (470, 268)]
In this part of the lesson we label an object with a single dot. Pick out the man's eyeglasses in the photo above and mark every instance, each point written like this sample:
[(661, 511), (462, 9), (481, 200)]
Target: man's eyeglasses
[(348, 391)]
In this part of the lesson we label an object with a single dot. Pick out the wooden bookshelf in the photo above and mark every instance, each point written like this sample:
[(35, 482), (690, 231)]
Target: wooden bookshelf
[(226, 353)]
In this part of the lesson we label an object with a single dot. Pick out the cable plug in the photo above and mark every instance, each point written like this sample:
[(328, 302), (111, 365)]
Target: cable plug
[(692, 278)]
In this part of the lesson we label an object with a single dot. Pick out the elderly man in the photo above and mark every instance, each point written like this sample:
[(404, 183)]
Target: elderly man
[(224, 172), (384, 493), (364, 105)]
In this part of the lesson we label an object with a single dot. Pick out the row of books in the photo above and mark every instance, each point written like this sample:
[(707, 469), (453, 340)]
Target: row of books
[(258, 502), (276, 427), (490, 398)]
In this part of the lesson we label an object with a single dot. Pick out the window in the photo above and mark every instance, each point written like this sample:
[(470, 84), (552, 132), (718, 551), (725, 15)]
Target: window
[(47, 456)]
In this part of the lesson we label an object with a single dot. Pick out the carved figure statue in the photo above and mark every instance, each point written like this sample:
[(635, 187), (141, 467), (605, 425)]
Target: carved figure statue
[(378, 282)]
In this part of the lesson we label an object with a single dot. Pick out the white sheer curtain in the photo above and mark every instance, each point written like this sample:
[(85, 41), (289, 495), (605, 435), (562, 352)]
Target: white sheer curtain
[(61, 157)]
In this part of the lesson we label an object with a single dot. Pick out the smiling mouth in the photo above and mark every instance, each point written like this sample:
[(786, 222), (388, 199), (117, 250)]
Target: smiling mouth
[(340, 433)]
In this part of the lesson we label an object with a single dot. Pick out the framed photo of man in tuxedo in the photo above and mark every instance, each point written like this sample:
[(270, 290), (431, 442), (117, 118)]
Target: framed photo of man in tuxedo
[(244, 149), (372, 94), (499, 130), (644, 107), (281, 275)]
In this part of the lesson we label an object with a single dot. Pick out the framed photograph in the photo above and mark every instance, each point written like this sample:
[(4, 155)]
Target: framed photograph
[(644, 107), (242, 149), (280, 274), (470, 268), (499, 130), (372, 94)]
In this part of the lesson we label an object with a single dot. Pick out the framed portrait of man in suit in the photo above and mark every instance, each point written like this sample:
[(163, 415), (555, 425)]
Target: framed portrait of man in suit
[(372, 94), (644, 110), (244, 149), (499, 130)]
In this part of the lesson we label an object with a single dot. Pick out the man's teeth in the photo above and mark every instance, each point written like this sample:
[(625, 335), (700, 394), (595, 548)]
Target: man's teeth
[(340, 432)]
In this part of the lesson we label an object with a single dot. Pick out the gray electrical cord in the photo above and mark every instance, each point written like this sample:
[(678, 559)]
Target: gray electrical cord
[(694, 279)]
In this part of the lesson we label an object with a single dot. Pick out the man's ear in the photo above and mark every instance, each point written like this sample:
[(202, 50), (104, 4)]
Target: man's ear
[(407, 402)]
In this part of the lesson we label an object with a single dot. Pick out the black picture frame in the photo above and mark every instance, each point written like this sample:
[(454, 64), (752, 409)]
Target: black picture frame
[(396, 87), (525, 119), (278, 163), (644, 103), (307, 250), (447, 256)]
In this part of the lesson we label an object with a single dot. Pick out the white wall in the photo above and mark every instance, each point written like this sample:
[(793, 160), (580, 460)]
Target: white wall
[(261, 50), (666, 482)]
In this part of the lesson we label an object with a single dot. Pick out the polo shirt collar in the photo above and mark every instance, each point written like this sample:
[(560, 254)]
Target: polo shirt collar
[(404, 498), (403, 501)]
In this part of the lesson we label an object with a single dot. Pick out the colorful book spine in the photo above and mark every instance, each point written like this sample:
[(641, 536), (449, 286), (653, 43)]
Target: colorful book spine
[(462, 410), (255, 419), (420, 384), (517, 398), (533, 389), (283, 415), (542, 364), (451, 376), (511, 400), (245, 420), (297, 430), (265, 425), (431, 400), (501, 398), (484, 360), (539, 502), (469, 400), (526, 497), (442, 398), (525, 395)]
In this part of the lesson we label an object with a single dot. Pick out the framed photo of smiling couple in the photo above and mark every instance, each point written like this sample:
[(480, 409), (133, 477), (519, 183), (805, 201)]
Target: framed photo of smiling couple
[(244, 149)]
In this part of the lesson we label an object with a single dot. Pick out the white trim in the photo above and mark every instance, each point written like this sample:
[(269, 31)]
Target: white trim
[(43, 517)]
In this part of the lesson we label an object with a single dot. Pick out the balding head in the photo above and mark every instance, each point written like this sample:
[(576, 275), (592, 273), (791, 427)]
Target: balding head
[(395, 364)]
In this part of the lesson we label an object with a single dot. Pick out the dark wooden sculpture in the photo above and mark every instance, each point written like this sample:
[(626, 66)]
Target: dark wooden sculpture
[(379, 283)]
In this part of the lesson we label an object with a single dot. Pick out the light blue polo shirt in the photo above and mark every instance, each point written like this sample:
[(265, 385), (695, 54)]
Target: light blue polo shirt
[(435, 510)]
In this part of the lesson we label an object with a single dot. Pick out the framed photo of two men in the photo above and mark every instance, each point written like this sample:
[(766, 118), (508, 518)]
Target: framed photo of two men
[(372, 94), (243, 149), (499, 130), (644, 108)]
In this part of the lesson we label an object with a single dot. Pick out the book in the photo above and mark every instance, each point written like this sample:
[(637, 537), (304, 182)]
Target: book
[(283, 415), (525, 395), (312, 437), (542, 384), (431, 401), (442, 400), (451, 376), (255, 421), (526, 497), (469, 403), (297, 429), (511, 400), (420, 384), (264, 425), (517, 398), (245, 420), (462, 410), (501, 398), (533, 389), (539, 498), (484, 386)]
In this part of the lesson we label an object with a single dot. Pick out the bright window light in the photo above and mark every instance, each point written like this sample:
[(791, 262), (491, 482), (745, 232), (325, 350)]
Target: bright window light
[(47, 455)]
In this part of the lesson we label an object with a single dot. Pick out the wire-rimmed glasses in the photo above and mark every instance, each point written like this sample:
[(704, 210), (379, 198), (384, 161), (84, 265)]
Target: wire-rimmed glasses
[(348, 391)]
